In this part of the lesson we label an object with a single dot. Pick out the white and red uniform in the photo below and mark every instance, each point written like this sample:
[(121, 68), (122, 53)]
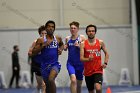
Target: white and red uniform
[(94, 66)]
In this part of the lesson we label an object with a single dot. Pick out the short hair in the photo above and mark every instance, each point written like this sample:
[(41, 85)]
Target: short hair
[(75, 23), (50, 21), (91, 26), (41, 28), (15, 46)]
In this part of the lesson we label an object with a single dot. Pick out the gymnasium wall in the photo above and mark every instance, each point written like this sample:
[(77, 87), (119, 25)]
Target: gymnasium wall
[(118, 39), (33, 13)]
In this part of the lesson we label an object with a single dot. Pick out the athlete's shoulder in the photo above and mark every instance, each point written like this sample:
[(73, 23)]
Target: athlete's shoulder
[(33, 44), (40, 40), (68, 37), (82, 37), (59, 40), (100, 40), (58, 37)]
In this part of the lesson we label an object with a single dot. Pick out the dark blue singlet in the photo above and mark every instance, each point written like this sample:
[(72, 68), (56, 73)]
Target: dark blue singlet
[(50, 58), (74, 65)]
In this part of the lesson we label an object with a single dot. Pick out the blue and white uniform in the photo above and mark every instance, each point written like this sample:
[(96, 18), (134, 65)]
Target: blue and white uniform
[(74, 65), (50, 58)]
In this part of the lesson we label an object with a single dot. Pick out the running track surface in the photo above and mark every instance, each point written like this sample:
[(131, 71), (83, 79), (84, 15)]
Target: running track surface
[(114, 89)]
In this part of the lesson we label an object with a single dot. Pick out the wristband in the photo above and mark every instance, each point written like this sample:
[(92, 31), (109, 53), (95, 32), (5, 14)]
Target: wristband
[(105, 63)]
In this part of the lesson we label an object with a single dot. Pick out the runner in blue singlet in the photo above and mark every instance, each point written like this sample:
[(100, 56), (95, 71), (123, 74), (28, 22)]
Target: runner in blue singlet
[(50, 58), (74, 65), (50, 47)]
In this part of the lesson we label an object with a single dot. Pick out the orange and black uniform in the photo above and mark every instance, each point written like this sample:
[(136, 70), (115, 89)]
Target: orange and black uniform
[(93, 69)]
